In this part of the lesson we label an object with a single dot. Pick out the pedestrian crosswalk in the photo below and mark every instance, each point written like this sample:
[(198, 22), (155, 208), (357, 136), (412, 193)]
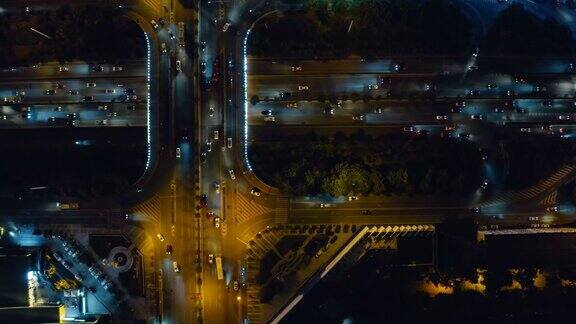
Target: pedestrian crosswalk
[(533, 192), (150, 208), (282, 210), (248, 208), (551, 199)]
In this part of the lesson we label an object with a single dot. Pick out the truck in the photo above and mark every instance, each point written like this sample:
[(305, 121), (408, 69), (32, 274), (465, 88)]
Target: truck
[(219, 271), (181, 31), (67, 205)]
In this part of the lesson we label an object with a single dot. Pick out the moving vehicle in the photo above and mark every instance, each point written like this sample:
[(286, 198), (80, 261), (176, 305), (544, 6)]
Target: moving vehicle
[(176, 266), (210, 258), (232, 176), (160, 237), (219, 271), (178, 65), (255, 191), (178, 153), (67, 206), (181, 32), (229, 142), (154, 24), (225, 27)]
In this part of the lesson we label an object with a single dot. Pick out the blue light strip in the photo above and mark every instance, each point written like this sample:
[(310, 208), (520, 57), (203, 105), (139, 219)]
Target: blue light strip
[(246, 101), (148, 132)]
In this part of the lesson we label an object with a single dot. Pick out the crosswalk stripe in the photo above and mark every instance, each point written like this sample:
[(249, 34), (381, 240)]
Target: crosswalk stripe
[(535, 190)]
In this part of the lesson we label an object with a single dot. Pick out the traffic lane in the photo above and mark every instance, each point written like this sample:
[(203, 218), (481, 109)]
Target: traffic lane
[(391, 108), (73, 90), (372, 119), (75, 69), (49, 115), (345, 66), (484, 85), (346, 216), (410, 65)]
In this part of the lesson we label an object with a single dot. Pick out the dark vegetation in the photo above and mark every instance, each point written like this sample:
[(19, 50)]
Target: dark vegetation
[(361, 164), (379, 28), (518, 32), (49, 158), (78, 33)]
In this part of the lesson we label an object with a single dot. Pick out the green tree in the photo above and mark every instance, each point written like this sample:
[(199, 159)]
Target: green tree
[(347, 179)]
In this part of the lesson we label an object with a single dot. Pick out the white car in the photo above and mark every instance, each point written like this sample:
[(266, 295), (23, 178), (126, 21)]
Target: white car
[(154, 24), (225, 27), (525, 130), (235, 285), (533, 218), (210, 258), (255, 191), (176, 266), (303, 88), (441, 117), (216, 136), (372, 87), (90, 85), (63, 69), (232, 176), (178, 153), (160, 237), (117, 68), (217, 222), (269, 119), (209, 146)]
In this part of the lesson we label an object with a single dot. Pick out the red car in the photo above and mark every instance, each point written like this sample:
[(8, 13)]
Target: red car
[(168, 248)]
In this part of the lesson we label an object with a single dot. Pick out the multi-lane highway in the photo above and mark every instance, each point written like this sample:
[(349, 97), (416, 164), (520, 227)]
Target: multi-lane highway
[(207, 203)]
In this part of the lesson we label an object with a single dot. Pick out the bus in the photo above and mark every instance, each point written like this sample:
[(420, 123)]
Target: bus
[(219, 271), (181, 28)]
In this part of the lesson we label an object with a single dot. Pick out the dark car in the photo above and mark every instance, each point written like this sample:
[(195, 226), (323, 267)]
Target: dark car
[(97, 69), (267, 112), (73, 116), (203, 200), (547, 103), (49, 92), (88, 98), (473, 93)]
